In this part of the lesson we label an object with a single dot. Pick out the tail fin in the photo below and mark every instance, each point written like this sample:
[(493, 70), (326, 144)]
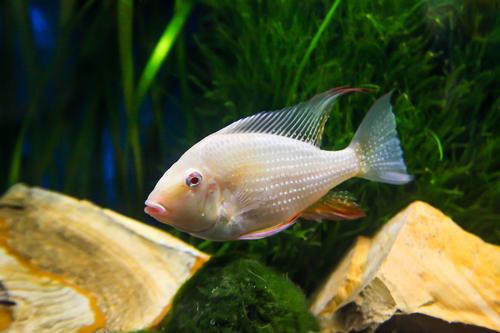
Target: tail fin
[(377, 145)]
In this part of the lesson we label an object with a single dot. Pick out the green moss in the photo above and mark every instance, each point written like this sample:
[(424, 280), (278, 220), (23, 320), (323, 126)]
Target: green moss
[(238, 295)]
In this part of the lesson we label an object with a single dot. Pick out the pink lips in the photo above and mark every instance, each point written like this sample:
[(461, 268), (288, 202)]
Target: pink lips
[(154, 208)]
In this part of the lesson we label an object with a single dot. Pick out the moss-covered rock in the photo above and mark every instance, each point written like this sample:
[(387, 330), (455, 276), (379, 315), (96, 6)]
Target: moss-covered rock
[(238, 295)]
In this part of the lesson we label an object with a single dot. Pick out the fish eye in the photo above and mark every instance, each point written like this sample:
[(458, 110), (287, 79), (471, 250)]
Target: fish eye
[(193, 178)]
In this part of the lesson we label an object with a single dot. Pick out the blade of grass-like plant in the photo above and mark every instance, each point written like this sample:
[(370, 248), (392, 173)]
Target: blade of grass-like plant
[(43, 151), (155, 61), (157, 107), (310, 49), (80, 151), (67, 9), (28, 48), (438, 143), (185, 93), (163, 47), (15, 163), (28, 51), (125, 21), (125, 17), (37, 77)]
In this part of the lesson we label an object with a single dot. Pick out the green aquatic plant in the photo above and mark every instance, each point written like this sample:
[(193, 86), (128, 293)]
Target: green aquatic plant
[(438, 57), (134, 96), (68, 94), (238, 295)]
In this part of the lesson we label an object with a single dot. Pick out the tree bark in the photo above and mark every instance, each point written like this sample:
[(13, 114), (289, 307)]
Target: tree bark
[(67, 265)]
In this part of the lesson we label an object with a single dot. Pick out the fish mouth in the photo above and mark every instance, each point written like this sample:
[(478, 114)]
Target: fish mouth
[(153, 208)]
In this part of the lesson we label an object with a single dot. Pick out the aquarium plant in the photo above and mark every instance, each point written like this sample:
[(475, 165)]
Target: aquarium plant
[(266, 301)]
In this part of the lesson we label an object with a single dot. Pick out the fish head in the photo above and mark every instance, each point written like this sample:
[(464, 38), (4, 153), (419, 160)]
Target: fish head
[(186, 197)]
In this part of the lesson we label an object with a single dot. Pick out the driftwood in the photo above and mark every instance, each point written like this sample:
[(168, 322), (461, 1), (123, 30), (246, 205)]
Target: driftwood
[(69, 266), (420, 266)]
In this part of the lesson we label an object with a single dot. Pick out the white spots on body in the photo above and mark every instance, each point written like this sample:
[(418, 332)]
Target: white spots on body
[(284, 174)]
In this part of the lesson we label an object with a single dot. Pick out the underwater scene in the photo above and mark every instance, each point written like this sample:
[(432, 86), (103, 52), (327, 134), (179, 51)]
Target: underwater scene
[(250, 166)]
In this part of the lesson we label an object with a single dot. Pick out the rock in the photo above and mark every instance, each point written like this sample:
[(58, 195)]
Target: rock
[(420, 266), (69, 266)]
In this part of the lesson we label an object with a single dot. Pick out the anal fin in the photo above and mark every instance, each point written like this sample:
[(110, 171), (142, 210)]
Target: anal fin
[(336, 205), (266, 232)]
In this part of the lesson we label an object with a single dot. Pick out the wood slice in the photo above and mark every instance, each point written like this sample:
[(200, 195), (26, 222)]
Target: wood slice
[(419, 263), (67, 265)]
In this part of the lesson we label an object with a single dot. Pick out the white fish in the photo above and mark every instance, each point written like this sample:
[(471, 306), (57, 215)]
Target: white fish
[(256, 176)]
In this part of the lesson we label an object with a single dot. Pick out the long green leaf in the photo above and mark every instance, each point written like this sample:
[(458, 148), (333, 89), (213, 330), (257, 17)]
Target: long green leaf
[(163, 47), (15, 163), (29, 54), (185, 92), (125, 17), (310, 49), (125, 24)]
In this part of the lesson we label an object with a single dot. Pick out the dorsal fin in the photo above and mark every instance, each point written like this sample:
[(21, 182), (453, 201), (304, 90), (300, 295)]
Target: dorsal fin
[(304, 121)]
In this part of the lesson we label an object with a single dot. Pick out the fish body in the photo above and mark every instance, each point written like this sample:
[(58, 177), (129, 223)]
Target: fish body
[(255, 177)]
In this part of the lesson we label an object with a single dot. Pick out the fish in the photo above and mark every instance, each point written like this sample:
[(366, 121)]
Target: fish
[(257, 176)]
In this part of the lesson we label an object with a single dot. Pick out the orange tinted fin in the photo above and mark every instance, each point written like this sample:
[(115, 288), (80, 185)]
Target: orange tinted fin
[(266, 232), (334, 206)]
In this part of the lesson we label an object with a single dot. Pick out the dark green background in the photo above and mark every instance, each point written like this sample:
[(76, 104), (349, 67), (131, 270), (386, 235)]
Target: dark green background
[(70, 70)]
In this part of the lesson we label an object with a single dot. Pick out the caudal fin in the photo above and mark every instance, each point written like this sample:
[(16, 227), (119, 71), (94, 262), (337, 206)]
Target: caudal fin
[(377, 145)]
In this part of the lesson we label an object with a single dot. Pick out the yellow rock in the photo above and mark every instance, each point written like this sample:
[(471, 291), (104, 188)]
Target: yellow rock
[(69, 266), (420, 262)]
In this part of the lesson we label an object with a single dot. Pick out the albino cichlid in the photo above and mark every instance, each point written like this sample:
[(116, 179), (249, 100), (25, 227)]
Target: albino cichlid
[(255, 177)]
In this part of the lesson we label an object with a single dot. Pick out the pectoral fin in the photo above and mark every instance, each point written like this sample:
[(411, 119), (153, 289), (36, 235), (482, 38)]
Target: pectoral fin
[(334, 206), (263, 233)]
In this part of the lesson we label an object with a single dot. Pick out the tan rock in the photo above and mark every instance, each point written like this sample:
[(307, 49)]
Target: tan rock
[(69, 266), (420, 262)]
